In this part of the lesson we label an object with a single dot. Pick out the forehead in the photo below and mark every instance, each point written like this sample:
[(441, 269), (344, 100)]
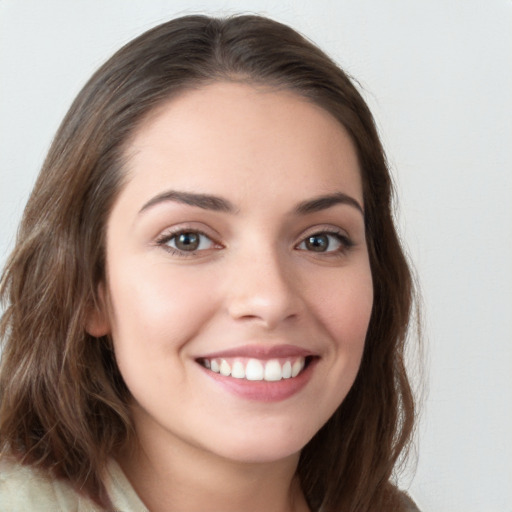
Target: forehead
[(234, 133)]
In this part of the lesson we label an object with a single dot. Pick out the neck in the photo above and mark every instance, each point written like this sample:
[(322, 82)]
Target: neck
[(184, 477)]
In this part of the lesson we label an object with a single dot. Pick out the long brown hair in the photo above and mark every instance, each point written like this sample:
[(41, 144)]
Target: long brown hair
[(63, 400)]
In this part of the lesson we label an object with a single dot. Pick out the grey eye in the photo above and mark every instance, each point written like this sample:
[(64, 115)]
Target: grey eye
[(321, 242), (189, 241), (317, 243)]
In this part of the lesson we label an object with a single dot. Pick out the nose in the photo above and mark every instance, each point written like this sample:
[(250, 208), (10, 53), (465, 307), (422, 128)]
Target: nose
[(263, 289)]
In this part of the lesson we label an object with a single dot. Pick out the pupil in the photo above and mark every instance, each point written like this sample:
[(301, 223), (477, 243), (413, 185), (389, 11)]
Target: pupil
[(317, 243), (187, 241)]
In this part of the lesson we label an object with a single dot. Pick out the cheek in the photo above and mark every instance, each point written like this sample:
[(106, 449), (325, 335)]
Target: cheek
[(347, 319), (345, 313), (347, 306), (158, 309)]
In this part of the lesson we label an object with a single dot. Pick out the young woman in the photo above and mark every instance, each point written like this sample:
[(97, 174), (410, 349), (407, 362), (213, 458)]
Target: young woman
[(207, 304)]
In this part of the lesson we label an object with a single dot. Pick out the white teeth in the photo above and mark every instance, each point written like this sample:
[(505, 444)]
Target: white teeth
[(238, 371), (287, 370), (254, 370), (225, 369), (297, 367), (271, 371)]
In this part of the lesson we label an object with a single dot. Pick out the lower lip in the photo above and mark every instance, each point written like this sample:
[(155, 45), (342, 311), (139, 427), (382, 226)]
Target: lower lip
[(262, 390)]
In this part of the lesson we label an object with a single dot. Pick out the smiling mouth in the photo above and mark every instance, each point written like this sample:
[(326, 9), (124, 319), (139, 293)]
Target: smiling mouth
[(251, 369)]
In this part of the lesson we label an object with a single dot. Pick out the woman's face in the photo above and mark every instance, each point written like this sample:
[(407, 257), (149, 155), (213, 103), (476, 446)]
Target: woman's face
[(238, 290)]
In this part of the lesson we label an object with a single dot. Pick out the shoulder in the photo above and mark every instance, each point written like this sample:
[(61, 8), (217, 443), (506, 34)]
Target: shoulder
[(407, 503), (25, 488)]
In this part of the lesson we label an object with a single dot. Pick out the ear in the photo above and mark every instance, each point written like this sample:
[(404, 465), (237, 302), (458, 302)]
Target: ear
[(97, 323)]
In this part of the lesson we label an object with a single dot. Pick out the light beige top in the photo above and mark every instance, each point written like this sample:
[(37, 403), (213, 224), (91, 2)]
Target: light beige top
[(24, 489)]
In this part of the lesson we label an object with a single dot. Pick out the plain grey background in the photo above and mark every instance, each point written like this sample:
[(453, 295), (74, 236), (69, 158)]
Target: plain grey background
[(438, 77)]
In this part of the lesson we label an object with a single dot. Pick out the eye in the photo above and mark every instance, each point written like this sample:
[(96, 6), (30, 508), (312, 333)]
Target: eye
[(186, 242), (325, 242)]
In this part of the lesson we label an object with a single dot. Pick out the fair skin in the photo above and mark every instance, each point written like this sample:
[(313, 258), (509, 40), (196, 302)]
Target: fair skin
[(261, 281)]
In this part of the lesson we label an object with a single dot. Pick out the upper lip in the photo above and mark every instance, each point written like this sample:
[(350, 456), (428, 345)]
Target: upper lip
[(260, 352)]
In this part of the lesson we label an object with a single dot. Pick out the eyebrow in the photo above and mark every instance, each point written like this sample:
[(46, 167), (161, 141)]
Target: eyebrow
[(218, 204), (323, 202), (204, 201)]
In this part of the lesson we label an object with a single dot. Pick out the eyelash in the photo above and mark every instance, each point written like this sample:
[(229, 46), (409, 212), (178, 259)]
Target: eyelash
[(163, 240), (345, 242)]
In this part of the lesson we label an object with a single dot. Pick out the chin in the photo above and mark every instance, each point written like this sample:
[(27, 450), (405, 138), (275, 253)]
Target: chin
[(264, 446)]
